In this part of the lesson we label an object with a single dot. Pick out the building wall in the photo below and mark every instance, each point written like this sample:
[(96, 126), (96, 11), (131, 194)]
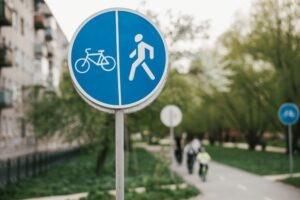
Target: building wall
[(29, 68)]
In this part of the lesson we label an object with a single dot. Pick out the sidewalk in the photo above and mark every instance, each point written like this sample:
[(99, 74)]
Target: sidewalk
[(228, 183), (281, 176), (245, 146), (62, 197)]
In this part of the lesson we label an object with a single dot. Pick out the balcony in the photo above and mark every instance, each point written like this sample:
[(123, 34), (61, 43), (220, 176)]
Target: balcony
[(5, 14), (5, 98), (6, 56), (41, 7), (49, 34), (40, 51), (39, 21), (50, 51)]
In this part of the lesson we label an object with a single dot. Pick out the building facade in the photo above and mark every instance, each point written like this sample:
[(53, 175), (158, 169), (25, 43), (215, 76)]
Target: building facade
[(32, 50)]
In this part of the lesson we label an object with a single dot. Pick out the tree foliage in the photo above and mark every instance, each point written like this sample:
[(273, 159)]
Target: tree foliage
[(262, 51)]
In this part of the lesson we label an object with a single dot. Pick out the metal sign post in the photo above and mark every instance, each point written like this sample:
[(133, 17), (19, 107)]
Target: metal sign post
[(120, 154), (118, 64), (288, 114), (290, 135), (171, 136)]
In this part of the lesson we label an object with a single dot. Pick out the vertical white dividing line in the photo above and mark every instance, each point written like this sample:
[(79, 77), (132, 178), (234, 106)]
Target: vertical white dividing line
[(118, 58)]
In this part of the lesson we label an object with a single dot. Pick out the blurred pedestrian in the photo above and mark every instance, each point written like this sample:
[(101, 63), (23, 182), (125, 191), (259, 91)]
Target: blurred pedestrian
[(190, 156), (178, 149), (196, 144), (203, 158)]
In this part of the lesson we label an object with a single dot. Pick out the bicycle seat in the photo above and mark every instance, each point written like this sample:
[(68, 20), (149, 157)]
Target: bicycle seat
[(100, 51)]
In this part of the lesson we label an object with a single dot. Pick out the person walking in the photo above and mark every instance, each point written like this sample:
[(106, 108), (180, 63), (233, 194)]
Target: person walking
[(203, 158), (178, 149), (190, 156), (196, 144)]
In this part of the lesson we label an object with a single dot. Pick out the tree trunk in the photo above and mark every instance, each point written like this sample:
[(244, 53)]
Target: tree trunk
[(296, 135), (101, 158), (212, 138), (252, 140), (295, 138), (222, 135)]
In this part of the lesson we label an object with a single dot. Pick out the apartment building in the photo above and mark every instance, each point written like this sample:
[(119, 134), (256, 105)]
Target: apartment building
[(32, 50)]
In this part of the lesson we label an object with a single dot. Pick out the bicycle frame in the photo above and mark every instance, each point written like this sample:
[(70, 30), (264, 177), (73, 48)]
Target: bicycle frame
[(87, 58)]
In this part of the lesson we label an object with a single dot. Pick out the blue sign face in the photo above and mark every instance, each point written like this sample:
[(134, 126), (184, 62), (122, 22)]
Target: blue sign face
[(288, 113), (118, 59)]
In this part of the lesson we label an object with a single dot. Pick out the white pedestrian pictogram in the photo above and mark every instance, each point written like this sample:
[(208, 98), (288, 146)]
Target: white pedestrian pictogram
[(141, 55)]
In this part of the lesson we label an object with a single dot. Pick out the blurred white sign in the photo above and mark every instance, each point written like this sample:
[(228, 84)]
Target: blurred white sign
[(171, 116)]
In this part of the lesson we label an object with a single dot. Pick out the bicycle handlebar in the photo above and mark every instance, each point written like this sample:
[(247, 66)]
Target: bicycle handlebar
[(87, 50)]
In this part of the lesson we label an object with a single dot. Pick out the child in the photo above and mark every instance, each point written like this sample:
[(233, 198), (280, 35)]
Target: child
[(203, 158)]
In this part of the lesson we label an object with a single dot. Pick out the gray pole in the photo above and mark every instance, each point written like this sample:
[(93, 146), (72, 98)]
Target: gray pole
[(119, 155), (291, 150), (171, 135), (171, 142)]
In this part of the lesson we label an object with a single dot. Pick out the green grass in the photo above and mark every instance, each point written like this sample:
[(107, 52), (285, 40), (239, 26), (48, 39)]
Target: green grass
[(159, 194), (262, 163), (277, 143), (78, 175), (293, 181)]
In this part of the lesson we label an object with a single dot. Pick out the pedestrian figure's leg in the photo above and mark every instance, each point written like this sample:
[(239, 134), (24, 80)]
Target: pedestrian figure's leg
[(148, 71), (133, 68)]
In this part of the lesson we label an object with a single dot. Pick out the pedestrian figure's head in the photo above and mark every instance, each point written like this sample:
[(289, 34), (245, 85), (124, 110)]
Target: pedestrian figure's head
[(138, 37)]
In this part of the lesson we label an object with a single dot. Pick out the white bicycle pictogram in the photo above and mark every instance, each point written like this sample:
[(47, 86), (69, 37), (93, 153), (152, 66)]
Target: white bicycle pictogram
[(107, 63)]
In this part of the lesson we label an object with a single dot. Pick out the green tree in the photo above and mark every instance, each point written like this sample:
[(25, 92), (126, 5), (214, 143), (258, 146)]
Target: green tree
[(72, 119), (269, 39), (274, 38)]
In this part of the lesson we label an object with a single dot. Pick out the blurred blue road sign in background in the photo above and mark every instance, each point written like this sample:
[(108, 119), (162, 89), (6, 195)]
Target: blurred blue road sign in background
[(288, 113)]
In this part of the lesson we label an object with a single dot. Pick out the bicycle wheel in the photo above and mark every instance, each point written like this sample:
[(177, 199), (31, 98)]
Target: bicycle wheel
[(82, 66), (108, 63)]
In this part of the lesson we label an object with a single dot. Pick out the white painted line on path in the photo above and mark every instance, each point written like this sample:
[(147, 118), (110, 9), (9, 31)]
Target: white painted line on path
[(267, 198), (242, 187), (222, 178)]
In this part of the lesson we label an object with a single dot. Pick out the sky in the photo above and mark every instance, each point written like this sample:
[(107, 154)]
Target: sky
[(71, 13)]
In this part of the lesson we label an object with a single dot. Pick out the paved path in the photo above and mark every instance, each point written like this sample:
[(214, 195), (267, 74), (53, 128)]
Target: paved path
[(227, 183), (281, 176), (245, 146)]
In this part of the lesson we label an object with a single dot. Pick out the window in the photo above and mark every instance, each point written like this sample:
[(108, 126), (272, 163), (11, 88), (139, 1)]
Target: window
[(9, 127), (16, 57), (22, 26), (15, 20), (14, 89), (22, 56), (8, 83), (23, 127), (3, 82), (4, 126)]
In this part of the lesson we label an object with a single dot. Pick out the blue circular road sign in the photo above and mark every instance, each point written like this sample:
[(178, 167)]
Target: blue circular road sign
[(118, 60), (288, 113)]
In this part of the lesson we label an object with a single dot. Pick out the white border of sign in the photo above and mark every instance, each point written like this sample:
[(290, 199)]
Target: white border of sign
[(112, 108)]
